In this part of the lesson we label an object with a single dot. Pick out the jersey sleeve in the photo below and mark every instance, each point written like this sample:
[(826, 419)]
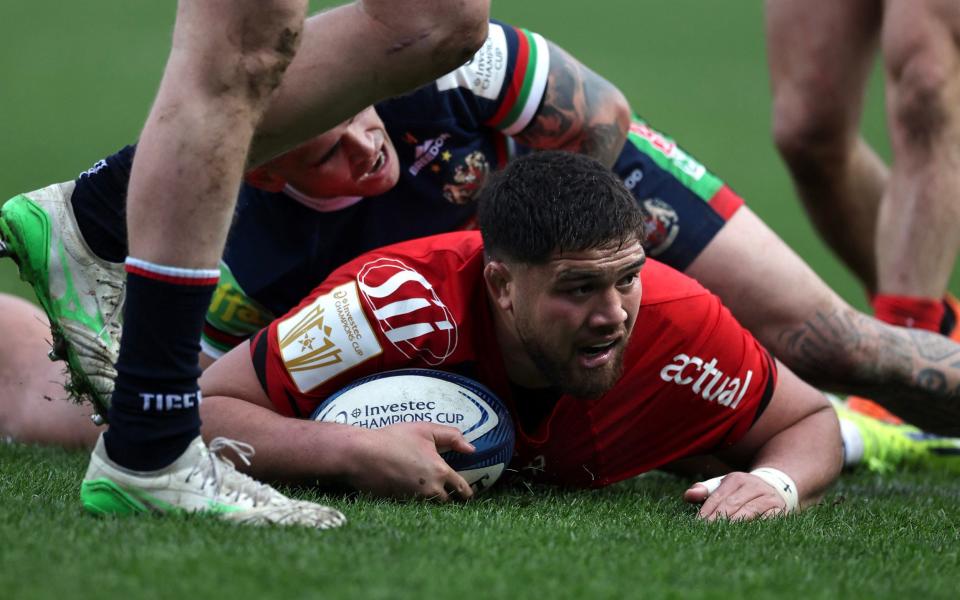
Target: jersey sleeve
[(504, 82), (386, 310), (232, 317)]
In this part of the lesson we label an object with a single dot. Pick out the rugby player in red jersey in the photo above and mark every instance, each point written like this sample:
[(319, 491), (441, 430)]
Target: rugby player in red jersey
[(611, 364), (371, 180), (408, 168)]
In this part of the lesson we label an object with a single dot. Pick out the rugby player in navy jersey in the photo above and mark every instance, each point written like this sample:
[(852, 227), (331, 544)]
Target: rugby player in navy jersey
[(234, 89), (410, 165)]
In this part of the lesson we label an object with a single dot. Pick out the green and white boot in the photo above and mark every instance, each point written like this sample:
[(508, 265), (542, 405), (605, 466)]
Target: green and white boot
[(199, 481), (81, 294), (886, 447)]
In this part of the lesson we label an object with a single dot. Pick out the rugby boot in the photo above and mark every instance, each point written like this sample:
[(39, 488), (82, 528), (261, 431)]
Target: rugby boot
[(872, 409), (81, 294), (199, 481), (888, 447)]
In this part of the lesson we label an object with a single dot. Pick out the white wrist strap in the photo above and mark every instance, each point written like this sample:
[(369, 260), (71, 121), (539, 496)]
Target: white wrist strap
[(775, 478), (781, 482)]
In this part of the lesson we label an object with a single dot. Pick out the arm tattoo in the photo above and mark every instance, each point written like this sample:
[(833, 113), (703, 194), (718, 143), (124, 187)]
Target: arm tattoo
[(914, 373), (580, 112)]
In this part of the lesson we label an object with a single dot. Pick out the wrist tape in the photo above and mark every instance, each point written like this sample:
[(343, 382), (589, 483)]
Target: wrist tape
[(775, 478)]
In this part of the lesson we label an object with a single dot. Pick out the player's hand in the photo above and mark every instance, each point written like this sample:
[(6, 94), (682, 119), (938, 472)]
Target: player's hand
[(403, 461), (740, 496)]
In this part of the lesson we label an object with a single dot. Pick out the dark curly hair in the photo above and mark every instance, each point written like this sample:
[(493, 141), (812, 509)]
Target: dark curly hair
[(555, 201)]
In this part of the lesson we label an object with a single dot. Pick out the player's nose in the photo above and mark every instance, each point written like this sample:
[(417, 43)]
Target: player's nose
[(608, 309), (362, 148)]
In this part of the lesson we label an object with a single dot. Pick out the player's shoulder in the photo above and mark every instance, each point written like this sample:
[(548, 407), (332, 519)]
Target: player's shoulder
[(663, 284), (436, 257), (456, 245), (676, 310)]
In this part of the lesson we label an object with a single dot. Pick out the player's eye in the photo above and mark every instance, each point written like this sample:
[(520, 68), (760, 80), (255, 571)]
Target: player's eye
[(579, 291), (628, 280), (328, 155)]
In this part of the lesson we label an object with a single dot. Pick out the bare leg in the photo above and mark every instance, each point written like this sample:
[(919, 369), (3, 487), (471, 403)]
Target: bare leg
[(227, 60), (33, 404), (820, 53), (191, 156), (775, 295), (919, 226)]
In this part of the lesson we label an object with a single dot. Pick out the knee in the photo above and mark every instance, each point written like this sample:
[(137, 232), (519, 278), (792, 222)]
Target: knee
[(809, 130), (247, 57), (919, 107), (266, 43)]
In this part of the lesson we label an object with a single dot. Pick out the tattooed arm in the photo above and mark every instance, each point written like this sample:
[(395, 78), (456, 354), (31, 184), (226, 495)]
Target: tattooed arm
[(915, 374), (581, 112)]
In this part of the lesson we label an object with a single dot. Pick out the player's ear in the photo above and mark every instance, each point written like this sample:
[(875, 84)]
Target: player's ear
[(499, 282), (265, 179)]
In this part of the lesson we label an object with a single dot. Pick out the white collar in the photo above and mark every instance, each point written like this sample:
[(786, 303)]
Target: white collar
[(321, 204)]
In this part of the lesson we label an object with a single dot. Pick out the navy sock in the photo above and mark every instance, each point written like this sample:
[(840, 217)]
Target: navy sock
[(155, 410)]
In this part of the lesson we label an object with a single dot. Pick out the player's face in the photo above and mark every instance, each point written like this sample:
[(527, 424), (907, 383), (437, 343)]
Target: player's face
[(356, 158), (574, 316)]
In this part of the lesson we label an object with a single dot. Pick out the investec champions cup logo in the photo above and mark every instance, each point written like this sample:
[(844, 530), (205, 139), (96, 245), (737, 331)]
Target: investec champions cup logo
[(409, 312), (326, 338), (311, 353)]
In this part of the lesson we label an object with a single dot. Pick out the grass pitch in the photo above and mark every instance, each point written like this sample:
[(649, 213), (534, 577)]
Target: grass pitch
[(873, 537), (78, 80)]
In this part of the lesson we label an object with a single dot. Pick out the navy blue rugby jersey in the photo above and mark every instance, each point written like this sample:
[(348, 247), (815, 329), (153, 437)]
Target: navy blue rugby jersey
[(448, 135)]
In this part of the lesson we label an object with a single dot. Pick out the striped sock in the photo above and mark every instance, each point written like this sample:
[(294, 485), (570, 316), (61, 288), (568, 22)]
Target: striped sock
[(155, 410)]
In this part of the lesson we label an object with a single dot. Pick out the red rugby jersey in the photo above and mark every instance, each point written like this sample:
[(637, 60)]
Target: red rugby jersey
[(694, 380)]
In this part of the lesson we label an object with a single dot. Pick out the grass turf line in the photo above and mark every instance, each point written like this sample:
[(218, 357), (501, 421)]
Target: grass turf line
[(874, 537)]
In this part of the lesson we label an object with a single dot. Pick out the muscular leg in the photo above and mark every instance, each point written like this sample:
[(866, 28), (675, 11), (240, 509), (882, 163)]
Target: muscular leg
[(919, 227), (227, 59), (916, 374), (33, 404), (820, 54)]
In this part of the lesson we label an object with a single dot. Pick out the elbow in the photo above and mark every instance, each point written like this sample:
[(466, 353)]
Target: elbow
[(462, 34), (621, 108), (621, 116), (830, 455)]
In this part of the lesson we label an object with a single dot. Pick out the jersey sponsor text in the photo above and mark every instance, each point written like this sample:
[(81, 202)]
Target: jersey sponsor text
[(712, 384)]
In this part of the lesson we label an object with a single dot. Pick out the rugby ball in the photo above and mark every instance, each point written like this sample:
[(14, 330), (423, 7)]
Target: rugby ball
[(427, 395)]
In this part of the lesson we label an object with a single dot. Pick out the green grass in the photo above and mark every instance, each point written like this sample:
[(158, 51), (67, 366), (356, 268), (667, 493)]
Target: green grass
[(77, 81), (872, 538)]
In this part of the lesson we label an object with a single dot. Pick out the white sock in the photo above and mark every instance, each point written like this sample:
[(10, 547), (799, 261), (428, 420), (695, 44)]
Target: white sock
[(852, 443)]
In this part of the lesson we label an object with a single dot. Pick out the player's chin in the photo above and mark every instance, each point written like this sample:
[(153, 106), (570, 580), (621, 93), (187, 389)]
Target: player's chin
[(590, 383)]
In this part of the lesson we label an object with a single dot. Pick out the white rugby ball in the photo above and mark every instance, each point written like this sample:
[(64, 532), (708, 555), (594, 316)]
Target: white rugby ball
[(427, 395)]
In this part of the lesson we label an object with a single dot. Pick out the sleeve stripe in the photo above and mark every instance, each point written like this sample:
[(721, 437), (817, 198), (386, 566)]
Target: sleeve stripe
[(207, 347), (768, 389), (527, 85), (513, 88)]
